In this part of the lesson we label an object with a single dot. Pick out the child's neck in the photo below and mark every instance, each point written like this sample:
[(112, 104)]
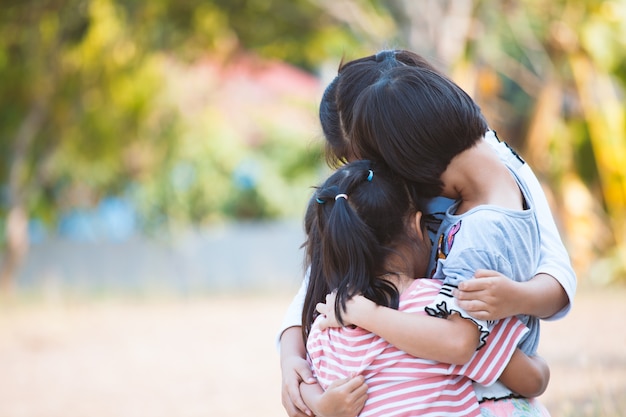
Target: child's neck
[(478, 177)]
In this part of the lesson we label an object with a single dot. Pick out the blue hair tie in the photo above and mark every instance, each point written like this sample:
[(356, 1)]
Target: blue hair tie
[(385, 55), (319, 200), (370, 176)]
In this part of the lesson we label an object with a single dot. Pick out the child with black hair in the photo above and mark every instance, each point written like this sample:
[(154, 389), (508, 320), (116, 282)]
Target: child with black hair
[(366, 238), (431, 131), (491, 295)]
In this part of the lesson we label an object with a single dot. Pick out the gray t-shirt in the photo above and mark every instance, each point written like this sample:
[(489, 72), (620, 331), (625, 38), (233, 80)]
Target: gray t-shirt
[(487, 237)]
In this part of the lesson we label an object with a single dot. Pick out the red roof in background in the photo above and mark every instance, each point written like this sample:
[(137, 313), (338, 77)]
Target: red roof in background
[(248, 92)]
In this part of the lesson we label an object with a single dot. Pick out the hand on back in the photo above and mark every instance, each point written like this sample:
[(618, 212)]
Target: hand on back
[(343, 398), (489, 296)]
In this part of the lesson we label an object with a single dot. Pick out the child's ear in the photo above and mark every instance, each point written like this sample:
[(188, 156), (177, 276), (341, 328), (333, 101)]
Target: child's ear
[(417, 224)]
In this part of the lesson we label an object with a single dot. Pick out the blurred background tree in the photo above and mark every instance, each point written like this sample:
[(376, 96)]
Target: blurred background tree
[(549, 75), (195, 112), (78, 101)]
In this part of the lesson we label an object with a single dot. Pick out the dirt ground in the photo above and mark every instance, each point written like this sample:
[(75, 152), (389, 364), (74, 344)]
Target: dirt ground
[(216, 357)]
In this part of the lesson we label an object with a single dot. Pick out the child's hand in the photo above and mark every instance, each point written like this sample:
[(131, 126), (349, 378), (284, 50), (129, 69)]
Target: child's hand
[(343, 398), (327, 310), (490, 296), (357, 307)]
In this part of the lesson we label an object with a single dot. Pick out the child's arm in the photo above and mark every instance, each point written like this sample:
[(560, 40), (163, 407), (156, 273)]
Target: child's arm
[(343, 398), (453, 340), (499, 359), (526, 375), (554, 260), (295, 369), (493, 296)]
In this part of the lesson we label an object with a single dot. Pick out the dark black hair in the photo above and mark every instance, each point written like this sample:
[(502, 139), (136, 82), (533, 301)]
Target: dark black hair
[(353, 222), (417, 121), (336, 106)]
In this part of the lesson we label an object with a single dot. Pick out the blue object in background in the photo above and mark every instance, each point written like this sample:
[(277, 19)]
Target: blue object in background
[(114, 219)]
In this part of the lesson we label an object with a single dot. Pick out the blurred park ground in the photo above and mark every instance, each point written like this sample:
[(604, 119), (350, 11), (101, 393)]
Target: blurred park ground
[(156, 158), (216, 356)]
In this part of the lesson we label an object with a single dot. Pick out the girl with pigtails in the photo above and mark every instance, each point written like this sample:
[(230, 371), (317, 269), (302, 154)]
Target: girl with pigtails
[(489, 296), (365, 237)]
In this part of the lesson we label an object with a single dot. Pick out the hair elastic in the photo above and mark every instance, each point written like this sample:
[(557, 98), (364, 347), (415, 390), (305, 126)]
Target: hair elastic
[(319, 200), (384, 55), (338, 196), (370, 175)]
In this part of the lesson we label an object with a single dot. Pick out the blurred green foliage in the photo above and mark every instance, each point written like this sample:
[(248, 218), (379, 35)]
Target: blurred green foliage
[(139, 99), (553, 76), (84, 114)]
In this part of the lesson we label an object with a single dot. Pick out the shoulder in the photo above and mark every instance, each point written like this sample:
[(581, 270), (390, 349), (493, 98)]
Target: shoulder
[(419, 294), (481, 223)]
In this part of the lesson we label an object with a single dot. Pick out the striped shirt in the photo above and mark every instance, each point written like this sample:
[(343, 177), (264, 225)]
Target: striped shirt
[(400, 384)]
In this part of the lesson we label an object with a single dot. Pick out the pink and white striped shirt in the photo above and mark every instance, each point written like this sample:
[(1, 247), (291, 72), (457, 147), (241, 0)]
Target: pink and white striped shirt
[(400, 384)]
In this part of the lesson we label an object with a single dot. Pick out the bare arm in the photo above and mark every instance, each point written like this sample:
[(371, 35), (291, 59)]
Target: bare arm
[(343, 398), (453, 340), (295, 369), (526, 375), (493, 296)]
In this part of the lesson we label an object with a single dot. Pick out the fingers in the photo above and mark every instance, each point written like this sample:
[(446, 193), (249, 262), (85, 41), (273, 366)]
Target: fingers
[(321, 308), (359, 392), (479, 283), (298, 371), (470, 305), (355, 383), (293, 403), (338, 382), (360, 397), (473, 285), (292, 411), (484, 283), (304, 371), (481, 315), (476, 308), (350, 385), (485, 273), (469, 290), (330, 298), (354, 394)]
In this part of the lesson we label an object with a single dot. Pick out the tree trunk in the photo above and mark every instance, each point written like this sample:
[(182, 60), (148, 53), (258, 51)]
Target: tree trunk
[(16, 249), (17, 218)]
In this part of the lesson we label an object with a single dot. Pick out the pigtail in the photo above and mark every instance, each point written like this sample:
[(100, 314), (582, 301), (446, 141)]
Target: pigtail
[(351, 251), (352, 223), (348, 250), (317, 287)]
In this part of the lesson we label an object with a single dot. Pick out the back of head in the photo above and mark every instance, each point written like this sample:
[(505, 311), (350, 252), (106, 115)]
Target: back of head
[(352, 223), (336, 106), (417, 120)]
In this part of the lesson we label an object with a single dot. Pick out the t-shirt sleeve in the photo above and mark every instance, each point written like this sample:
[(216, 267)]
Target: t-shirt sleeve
[(554, 259), (293, 315), (487, 364), (459, 267)]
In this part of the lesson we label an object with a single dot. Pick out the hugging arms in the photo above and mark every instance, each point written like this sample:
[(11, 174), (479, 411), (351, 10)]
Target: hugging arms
[(490, 296)]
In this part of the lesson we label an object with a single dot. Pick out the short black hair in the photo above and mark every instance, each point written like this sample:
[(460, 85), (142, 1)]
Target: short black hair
[(416, 120), (337, 103)]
